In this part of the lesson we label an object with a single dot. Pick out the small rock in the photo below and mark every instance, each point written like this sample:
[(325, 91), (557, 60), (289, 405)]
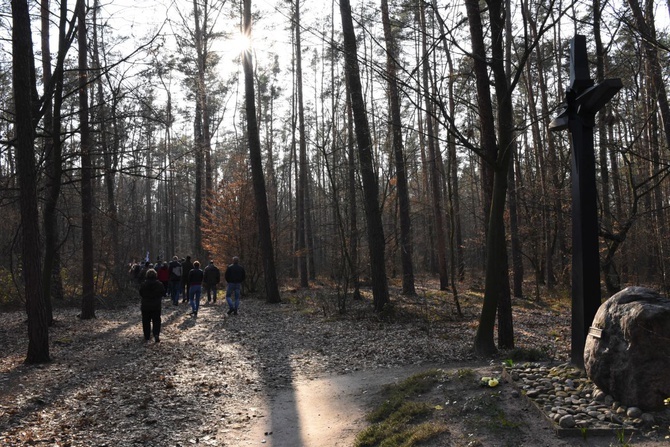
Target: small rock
[(567, 421), (634, 412), (533, 393), (648, 418)]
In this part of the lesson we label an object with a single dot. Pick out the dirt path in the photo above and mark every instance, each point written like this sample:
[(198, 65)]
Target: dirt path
[(326, 411)]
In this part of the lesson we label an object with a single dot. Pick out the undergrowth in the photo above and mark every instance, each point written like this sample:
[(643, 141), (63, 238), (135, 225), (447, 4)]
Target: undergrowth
[(402, 419)]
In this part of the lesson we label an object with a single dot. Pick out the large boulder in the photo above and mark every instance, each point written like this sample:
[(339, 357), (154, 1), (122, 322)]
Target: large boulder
[(627, 352)]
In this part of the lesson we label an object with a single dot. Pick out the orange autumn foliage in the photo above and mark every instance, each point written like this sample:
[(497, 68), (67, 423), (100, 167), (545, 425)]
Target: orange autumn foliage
[(229, 222)]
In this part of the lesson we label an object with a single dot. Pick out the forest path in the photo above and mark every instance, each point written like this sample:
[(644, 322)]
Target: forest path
[(326, 411)]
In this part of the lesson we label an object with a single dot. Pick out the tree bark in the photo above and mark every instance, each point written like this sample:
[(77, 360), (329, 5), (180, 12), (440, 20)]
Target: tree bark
[(505, 152), (255, 158), (88, 282), (351, 193), (301, 193), (373, 215), (497, 292), (53, 162), (110, 143), (434, 159), (25, 94), (204, 179), (399, 156)]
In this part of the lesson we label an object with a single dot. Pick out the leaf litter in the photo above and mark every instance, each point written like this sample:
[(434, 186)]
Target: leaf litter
[(208, 379)]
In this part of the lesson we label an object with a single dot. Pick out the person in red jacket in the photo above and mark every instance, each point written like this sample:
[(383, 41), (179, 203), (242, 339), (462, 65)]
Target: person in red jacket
[(163, 275)]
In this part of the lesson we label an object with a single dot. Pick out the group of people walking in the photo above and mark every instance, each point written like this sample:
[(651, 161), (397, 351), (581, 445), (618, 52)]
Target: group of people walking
[(183, 277)]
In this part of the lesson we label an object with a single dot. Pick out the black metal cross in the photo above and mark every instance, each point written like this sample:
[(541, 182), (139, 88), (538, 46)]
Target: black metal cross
[(582, 101)]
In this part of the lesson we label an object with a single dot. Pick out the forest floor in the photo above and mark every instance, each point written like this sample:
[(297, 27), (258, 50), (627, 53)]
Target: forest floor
[(297, 374)]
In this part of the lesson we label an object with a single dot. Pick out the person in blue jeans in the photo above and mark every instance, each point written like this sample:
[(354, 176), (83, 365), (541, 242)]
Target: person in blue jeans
[(235, 275), (195, 278)]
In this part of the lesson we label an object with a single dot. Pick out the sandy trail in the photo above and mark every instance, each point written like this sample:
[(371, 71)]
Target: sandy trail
[(326, 411)]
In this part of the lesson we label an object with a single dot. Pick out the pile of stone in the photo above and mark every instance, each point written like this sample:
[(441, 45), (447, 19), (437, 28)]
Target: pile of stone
[(570, 400)]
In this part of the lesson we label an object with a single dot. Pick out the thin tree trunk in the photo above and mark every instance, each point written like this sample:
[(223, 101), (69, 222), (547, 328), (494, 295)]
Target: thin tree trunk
[(53, 160), (301, 193), (88, 282), (399, 156), (109, 168), (351, 191), (433, 161), (515, 238), (370, 187), (452, 161), (551, 205)]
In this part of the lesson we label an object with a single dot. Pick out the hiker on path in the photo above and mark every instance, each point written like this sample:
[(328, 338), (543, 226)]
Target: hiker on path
[(163, 275), (211, 280), (186, 267), (235, 275), (151, 291), (195, 277), (175, 279), (142, 275)]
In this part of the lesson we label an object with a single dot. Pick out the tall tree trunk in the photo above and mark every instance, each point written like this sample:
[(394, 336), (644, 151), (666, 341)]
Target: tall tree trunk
[(370, 187), (498, 17), (107, 148), (204, 169), (452, 161), (301, 193), (484, 343), (515, 238), (255, 158), (351, 193), (25, 95), (88, 282), (149, 229), (434, 160), (548, 165), (53, 161), (497, 292), (399, 156)]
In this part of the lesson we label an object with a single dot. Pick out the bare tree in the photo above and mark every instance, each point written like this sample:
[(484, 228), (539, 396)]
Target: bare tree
[(399, 155), (88, 283), (25, 98), (376, 240), (255, 157), (301, 188)]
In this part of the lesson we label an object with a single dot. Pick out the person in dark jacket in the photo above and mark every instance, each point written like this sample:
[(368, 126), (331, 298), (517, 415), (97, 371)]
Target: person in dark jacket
[(174, 269), (195, 277), (186, 267), (235, 275), (152, 292), (211, 280)]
